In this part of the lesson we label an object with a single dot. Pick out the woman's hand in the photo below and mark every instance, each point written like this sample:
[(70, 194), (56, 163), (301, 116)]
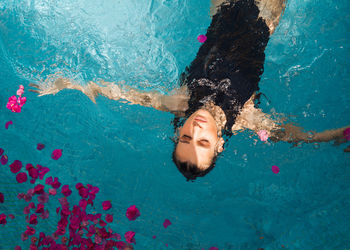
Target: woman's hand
[(51, 88)]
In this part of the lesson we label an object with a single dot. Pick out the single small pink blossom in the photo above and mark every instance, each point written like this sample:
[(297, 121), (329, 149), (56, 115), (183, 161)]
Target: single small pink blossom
[(66, 191), (109, 218), (24, 237), (16, 166), (213, 248), (166, 223), (52, 191), (33, 219), (83, 204), (11, 216), (4, 159), (29, 231), (275, 169), (201, 38), (3, 219), (1, 151), (26, 210), (21, 177), (39, 189), (129, 237), (40, 146), (263, 135), (2, 198), (153, 237), (43, 198), (56, 154), (106, 205), (39, 208), (18, 248), (56, 184), (7, 124), (132, 212)]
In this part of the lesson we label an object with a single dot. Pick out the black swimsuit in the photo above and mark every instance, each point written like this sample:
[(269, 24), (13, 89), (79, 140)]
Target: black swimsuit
[(228, 65)]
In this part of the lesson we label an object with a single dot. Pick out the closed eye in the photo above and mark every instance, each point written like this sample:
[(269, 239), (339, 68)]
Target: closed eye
[(185, 139)]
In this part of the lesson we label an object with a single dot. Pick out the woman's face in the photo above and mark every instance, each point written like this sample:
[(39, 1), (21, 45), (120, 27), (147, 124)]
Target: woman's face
[(198, 140)]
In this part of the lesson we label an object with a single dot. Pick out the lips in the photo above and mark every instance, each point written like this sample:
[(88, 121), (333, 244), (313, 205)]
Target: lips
[(200, 118)]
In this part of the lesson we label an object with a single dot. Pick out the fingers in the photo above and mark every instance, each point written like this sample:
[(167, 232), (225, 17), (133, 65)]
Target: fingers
[(34, 85)]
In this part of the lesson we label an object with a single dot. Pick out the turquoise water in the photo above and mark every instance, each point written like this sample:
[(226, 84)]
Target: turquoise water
[(126, 151)]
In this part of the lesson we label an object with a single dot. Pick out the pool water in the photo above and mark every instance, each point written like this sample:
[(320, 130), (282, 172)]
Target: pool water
[(125, 150)]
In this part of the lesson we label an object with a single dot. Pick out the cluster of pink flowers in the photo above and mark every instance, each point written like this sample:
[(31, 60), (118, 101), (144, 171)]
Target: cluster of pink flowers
[(15, 103)]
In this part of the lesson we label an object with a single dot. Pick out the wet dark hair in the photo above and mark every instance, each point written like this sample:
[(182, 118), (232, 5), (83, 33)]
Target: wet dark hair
[(189, 170)]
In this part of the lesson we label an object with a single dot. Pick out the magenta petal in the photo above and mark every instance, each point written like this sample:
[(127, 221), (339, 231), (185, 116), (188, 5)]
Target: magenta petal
[(40, 146), (7, 124), (201, 38), (33, 219), (43, 198), (39, 189), (21, 177), (106, 205), (132, 212), (66, 191), (1, 151), (129, 237), (83, 204), (1, 198), (52, 191), (30, 231), (56, 154), (213, 248), (275, 169), (15, 166), (153, 237), (109, 218), (3, 219), (4, 159), (166, 223), (11, 216)]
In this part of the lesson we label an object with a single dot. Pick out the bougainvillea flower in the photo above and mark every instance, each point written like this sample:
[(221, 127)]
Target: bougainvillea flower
[(64, 202), (83, 204), (106, 205), (4, 159), (102, 223), (31, 205), (56, 184), (56, 154), (109, 218), (43, 198), (11, 216), (2, 198), (166, 223), (275, 169), (201, 38), (42, 171), (20, 178), (7, 124), (120, 245), (94, 190), (3, 219), (79, 186), (39, 189), (29, 231), (18, 248), (33, 219), (26, 210), (153, 237), (132, 212), (129, 237), (66, 191), (1, 151), (24, 236), (52, 191), (33, 172), (98, 239), (27, 198), (83, 192), (39, 208), (16, 166), (45, 214), (263, 135), (40, 146), (213, 248), (346, 134)]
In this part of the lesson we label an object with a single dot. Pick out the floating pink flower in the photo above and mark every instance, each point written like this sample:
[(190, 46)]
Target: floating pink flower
[(11, 216), (22, 177), (83, 204), (40, 146), (18, 248), (39, 189), (56, 184), (109, 218), (4, 159), (3, 219), (346, 134), (2, 198), (132, 212), (24, 236), (1, 151), (129, 237), (43, 198), (213, 248), (15, 166), (153, 237), (66, 191), (39, 208), (45, 214), (201, 38), (166, 223), (7, 124), (56, 154), (26, 210), (42, 171), (29, 231), (263, 135), (275, 169), (33, 219), (106, 205), (52, 191)]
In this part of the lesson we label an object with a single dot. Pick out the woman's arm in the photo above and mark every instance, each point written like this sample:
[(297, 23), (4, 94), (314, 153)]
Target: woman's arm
[(176, 102), (254, 119)]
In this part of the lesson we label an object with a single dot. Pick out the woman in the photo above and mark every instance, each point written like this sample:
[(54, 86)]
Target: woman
[(217, 90)]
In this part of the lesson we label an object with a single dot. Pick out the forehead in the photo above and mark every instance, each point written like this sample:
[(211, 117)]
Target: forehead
[(196, 155)]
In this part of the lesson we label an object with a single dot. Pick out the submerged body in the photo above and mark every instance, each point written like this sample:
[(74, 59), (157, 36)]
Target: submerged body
[(217, 91)]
